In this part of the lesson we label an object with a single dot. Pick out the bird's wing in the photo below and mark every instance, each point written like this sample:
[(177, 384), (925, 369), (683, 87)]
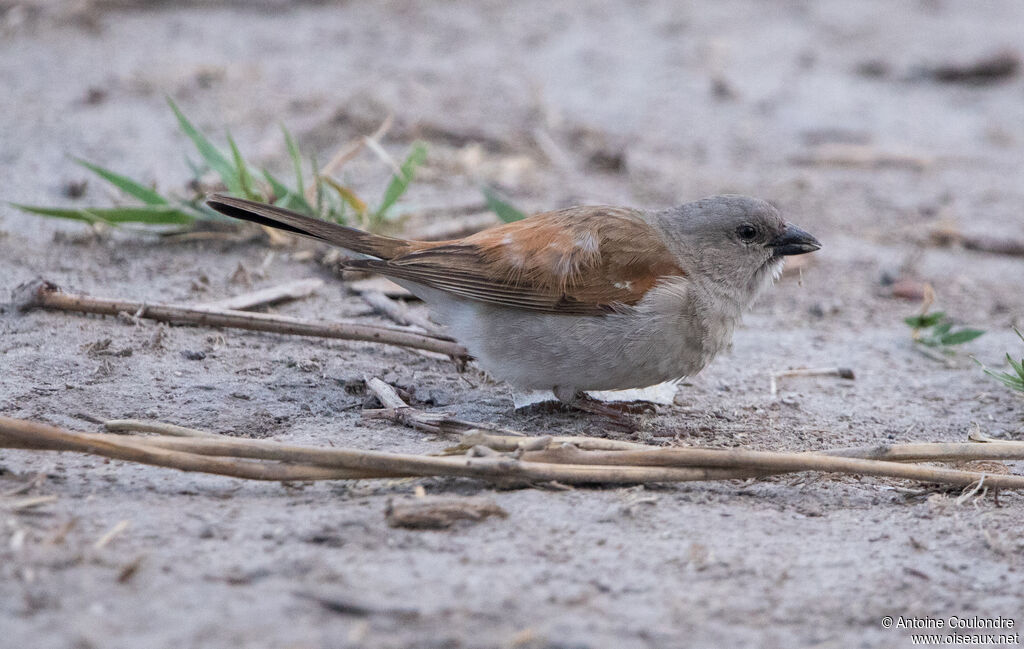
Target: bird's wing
[(580, 260)]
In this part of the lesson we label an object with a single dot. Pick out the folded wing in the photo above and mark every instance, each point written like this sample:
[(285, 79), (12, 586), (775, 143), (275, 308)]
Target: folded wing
[(580, 260)]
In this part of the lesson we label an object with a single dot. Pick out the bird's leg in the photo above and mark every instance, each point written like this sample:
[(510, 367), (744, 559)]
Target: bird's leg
[(618, 413)]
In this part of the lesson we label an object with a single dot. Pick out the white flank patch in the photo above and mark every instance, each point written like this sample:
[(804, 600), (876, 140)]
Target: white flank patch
[(662, 394)]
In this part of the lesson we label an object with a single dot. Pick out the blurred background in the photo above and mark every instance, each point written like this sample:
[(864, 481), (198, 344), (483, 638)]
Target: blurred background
[(893, 131), (641, 102)]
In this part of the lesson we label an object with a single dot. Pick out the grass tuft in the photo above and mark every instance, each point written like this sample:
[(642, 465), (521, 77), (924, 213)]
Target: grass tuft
[(936, 330), (327, 198), (1013, 380), (238, 179)]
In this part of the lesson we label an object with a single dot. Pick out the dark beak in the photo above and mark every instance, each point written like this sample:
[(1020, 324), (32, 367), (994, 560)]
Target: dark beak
[(793, 241)]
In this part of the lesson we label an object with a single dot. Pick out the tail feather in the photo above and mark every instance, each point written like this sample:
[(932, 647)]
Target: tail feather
[(352, 239)]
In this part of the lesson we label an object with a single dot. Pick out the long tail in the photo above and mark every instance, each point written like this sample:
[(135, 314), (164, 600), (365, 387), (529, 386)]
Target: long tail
[(352, 239)]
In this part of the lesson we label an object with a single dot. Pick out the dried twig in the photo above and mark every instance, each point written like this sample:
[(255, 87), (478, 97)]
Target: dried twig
[(948, 235), (26, 486), (383, 155), (565, 464), (935, 451), (330, 463), (858, 155), (348, 152), (841, 372), (46, 295), (183, 454), (439, 423), (114, 532), (272, 295), (438, 512), (516, 443), (30, 502), (399, 313), (383, 285), (346, 605), (387, 395), (709, 459), (158, 427), (718, 457)]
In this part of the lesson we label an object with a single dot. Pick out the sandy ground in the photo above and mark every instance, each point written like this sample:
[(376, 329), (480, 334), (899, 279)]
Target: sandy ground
[(729, 97)]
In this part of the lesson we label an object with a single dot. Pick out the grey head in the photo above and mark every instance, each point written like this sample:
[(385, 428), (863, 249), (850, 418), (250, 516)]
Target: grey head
[(734, 242)]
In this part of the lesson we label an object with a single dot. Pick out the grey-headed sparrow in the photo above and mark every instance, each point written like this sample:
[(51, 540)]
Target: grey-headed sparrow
[(583, 298)]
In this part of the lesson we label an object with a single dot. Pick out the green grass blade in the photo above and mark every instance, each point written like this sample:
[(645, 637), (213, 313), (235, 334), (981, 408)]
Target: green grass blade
[(505, 211), (293, 151), (71, 213), (961, 336), (244, 177), (213, 157), (1006, 379), (1017, 367), (399, 183), (279, 188), (285, 197), (925, 320), (125, 184), (150, 214), (319, 184)]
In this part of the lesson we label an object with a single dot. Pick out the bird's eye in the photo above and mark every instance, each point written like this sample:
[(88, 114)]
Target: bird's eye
[(746, 232)]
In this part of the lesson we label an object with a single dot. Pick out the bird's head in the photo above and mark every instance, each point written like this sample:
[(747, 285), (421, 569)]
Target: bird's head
[(737, 242)]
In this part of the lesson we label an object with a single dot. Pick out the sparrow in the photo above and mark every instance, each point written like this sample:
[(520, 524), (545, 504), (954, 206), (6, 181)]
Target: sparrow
[(582, 298)]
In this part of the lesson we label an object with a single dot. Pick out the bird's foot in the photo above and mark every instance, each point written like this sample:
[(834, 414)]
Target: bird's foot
[(631, 407), (620, 413)]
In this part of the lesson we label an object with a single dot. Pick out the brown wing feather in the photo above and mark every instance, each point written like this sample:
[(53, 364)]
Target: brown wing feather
[(581, 260), (277, 217)]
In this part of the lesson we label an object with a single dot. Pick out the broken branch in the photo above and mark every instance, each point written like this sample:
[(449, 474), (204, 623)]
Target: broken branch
[(272, 295), (46, 295)]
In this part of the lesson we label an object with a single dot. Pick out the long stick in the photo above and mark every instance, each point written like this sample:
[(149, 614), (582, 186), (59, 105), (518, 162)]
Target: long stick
[(566, 464), (935, 451), (515, 443), (769, 461), (46, 295), (33, 435), (344, 463)]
